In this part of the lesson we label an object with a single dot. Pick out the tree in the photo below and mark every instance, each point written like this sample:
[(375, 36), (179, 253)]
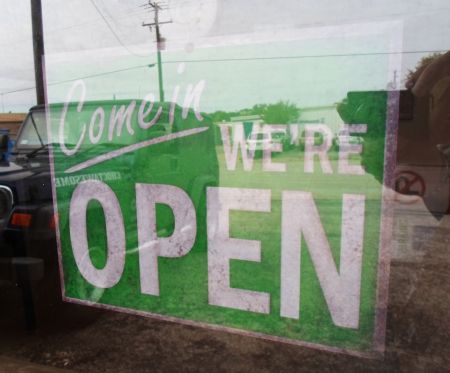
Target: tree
[(283, 112), (424, 62), (220, 116)]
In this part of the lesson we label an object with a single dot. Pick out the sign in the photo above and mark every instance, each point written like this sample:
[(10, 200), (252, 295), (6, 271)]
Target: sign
[(411, 184), (196, 220)]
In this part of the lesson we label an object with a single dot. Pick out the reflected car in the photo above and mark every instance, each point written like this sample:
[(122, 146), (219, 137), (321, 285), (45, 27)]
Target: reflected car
[(265, 140), (343, 138), (27, 219)]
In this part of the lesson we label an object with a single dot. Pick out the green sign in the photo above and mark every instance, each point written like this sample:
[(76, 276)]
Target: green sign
[(277, 233)]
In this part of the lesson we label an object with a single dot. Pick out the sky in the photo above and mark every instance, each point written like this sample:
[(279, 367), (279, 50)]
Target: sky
[(310, 52)]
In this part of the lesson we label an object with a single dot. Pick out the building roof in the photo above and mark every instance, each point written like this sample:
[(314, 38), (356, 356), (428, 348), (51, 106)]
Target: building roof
[(12, 117)]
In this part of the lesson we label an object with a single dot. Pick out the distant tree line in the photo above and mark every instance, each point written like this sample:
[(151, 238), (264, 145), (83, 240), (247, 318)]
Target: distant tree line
[(282, 112)]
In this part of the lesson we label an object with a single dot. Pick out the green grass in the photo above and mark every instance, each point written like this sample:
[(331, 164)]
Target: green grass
[(184, 281)]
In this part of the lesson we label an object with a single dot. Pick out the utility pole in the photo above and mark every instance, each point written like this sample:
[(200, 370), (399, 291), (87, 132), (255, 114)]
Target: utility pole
[(38, 49), (159, 43)]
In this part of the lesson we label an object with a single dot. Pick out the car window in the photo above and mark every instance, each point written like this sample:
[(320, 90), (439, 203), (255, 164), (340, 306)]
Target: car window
[(34, 131)]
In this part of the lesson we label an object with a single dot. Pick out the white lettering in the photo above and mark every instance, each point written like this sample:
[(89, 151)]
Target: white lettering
[(275, 146), (238, 141), (110, 275), (341, 289), (320, 150), (346, 148), (118, 117), (150, 245), (176, 91), (193, 94), (62, 143), (142, 113), (100, 113), (222, 248)]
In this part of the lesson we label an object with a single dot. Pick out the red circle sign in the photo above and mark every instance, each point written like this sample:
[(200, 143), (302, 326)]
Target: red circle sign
[(409, 183)]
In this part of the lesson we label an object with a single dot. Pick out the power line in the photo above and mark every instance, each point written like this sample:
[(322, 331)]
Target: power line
[(230, 60), (55, 31), (113, 32), (305, 56), (82, 77)]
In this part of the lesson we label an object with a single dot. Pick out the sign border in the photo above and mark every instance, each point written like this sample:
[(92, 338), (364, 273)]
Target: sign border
[(386, 220)]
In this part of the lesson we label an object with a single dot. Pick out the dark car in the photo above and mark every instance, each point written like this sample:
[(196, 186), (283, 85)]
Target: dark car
[(28, 254)]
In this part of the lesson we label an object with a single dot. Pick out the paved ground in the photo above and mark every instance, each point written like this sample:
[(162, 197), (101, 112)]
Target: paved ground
[(83, 339), (8, 365), (87, 340)]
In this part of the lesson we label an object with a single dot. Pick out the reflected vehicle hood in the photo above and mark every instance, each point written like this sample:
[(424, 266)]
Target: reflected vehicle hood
[(16, 170), (28, 179)]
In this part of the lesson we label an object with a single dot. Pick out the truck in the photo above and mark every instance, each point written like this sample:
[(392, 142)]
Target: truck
[(28, 222)]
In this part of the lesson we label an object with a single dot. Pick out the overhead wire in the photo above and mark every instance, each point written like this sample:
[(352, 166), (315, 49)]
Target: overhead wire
[(239, 59), (113, 31), (55, 31)]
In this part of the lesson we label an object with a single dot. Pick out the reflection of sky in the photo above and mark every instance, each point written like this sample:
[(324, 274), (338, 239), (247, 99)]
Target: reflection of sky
[(318, 70), (74, 26)]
